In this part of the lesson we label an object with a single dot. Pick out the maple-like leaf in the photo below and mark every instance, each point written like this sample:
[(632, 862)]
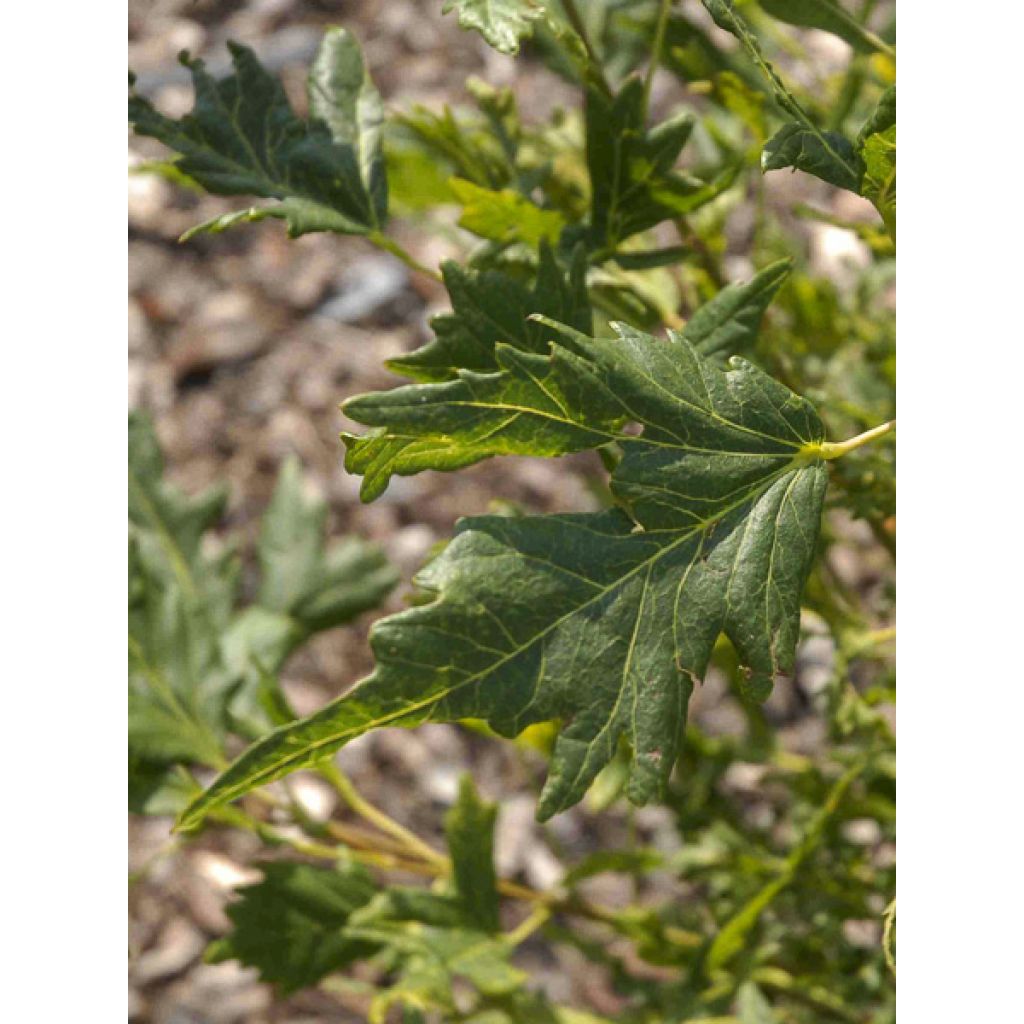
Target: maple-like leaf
[(491, 306), (521, 411), (199, 666), (633, 184), (601, 621), (290, 925), (242, 138)]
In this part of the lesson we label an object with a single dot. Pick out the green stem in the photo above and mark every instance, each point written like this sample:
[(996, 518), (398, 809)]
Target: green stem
[(836, 449), (888, 937), (573, 14), (382, 241), (818, 998), (656, 48), (537, 919), (412, 842)]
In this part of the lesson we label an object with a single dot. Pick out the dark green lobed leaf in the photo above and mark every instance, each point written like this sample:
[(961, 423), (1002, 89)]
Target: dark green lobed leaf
[(242, 138), (290, 926), (728, 324), (523, 410), (827, 155), (601, 621), (633, 185), (490, 307)]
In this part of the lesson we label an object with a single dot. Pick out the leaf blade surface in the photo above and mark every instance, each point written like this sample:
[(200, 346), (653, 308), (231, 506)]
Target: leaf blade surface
[(603, 621)]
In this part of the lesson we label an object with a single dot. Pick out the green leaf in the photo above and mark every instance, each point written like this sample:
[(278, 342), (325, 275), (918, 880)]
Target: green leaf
[(218, 225), (752, 1007), (746, 102), (602, 621), (242, 138), (640, 861), (431, 938), (732, 936), (482, 415), (828, 16), (179, 600), (319, 588), (198, 667), (469, 827), (728, 324), (505, 216), (343, 97), (170, 525), (800, 144), (464, 146), (290, 926), (156, 788), (651, 258), (503, 23), (879, 184), (633, 186), (877, 140), (827, 155), (882, 117), (491, 306), (177, 688)]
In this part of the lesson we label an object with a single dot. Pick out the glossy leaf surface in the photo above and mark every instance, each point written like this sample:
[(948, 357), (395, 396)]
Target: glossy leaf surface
[(603, 621)]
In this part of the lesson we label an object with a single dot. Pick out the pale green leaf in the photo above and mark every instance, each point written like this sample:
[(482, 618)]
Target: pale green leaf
[(879, 184), (170, 525), (505, 215), (317, 586), (752, 1007), (877, 141), (733, 935), (882, 117), (199, 667), (179, 599), (503, 23)]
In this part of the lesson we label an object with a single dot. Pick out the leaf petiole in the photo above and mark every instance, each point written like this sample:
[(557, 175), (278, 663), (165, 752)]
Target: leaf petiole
[(835, 449), (382, 241), (656, 48)]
